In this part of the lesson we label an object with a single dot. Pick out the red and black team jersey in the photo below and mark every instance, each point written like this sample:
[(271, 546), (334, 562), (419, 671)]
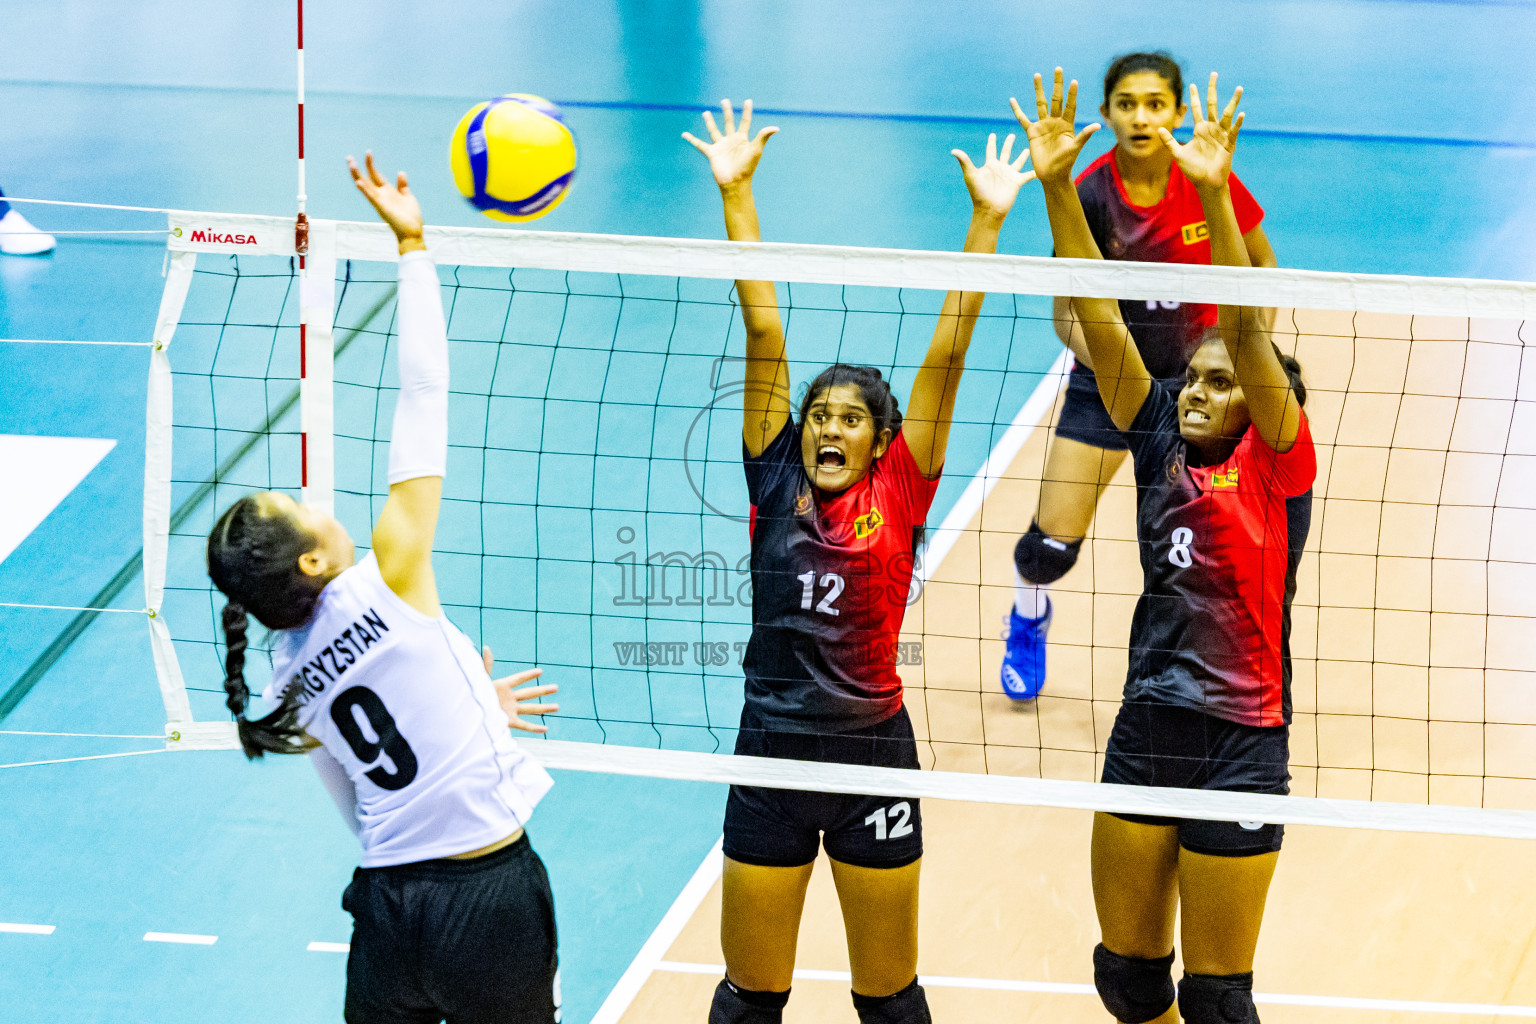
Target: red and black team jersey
[(1173, 231), (1219, 550), (830, 578)]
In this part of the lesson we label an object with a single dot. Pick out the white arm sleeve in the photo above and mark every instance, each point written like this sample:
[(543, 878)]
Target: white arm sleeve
[(418, 445), (334, 777)]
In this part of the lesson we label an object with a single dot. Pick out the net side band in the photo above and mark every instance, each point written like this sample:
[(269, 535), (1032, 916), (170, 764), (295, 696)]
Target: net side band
[(891, 268)]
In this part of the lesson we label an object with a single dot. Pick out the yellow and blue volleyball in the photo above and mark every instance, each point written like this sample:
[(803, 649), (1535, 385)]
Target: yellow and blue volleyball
[(513, 157)]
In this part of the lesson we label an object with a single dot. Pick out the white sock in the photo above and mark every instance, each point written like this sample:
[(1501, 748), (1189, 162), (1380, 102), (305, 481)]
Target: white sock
[(1029, 599), (19, 238)]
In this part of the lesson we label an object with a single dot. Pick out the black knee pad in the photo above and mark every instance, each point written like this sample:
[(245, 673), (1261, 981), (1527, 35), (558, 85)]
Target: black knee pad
[(1132, 988), (1043, 560), (734, 1005), (1217, 999), (909, 1006)]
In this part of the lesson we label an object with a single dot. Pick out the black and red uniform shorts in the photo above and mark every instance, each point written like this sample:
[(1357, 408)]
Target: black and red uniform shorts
[(1157, 744), (786, 827)]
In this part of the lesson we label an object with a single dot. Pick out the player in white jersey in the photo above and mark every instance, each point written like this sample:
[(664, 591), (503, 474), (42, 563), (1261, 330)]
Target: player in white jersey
[(453, 916)]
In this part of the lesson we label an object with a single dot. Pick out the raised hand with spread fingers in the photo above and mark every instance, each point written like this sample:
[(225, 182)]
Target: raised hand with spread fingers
[(514, 693), (995, 184), (733, 153), (1206, 159), (1054, 141), (396, 205)]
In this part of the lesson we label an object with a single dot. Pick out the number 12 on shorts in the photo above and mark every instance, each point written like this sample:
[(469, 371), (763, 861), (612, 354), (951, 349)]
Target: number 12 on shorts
[(892, 822)]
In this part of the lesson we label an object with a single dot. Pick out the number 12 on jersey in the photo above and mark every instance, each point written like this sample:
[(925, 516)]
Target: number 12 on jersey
[(834, 587)]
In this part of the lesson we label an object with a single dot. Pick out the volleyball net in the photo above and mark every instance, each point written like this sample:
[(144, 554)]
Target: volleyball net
[(595, 513)]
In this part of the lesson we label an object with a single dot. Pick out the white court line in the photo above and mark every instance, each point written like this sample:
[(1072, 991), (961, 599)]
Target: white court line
[(1068, 988), (329, 947), (648, 959), (179, 937), (26, 929), (42, 471)]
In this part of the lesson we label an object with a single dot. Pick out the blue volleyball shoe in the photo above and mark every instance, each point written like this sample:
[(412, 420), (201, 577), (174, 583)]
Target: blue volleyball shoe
[(1024, 660)]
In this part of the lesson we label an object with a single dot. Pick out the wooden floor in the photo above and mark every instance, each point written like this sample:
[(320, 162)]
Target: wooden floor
[(1005, 896), (1415, 680)]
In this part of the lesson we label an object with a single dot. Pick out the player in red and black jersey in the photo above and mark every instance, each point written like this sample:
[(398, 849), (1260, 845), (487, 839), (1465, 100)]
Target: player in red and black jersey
[(1139, 206), (838, 498), (1224, 473)]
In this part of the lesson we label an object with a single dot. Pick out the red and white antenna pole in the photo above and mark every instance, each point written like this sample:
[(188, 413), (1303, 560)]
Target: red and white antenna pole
[(301, 246), (315, 245), (302, 238)]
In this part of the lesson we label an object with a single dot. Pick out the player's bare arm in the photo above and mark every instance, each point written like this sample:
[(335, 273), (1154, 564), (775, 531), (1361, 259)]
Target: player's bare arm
[(1207, 161), (1054, 144), (733, 155), (993, 187)]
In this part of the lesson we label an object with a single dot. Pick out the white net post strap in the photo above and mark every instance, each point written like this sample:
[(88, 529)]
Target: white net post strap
[(157, 488), (317, 304)]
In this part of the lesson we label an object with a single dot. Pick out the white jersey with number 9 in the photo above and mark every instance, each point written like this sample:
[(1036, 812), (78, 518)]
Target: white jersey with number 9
[(403, 703)]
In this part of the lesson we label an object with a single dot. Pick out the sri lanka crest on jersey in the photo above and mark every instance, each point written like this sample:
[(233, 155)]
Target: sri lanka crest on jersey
[(868, 523)]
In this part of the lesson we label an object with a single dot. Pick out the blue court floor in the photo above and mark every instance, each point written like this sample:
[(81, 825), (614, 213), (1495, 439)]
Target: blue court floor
[(1382, 137)]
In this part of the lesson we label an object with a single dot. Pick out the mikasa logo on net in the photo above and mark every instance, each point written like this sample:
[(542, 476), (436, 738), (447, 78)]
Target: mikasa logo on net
[(210, 236)]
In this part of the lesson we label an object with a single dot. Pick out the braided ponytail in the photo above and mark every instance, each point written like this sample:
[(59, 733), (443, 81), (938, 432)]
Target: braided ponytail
[(235, 625), (253, 558)]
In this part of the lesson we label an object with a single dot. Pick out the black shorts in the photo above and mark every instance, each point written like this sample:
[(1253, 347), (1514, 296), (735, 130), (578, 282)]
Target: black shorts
[(1083, 417), (469, 941), (1154, 744), (783, 828)]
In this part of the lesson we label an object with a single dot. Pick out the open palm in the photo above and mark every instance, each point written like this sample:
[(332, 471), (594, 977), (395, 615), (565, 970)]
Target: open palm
[(395, 204), (732, 153), (1206, 159), (1054, 141), (996, 183), (514, 695)]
